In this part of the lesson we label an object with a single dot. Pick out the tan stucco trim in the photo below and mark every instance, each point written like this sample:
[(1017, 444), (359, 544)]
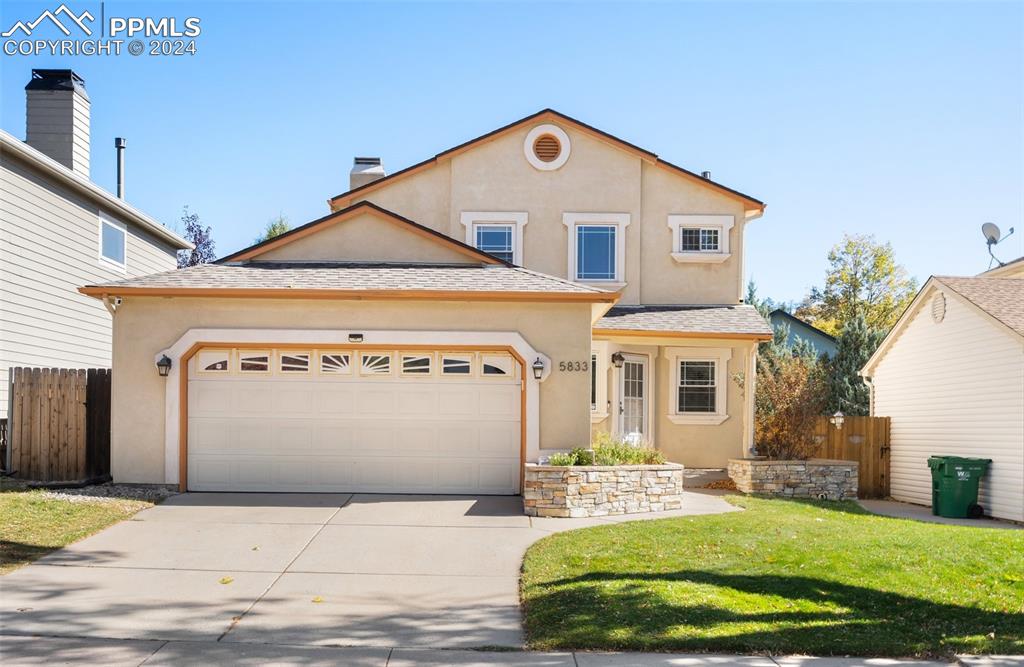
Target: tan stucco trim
[(352, 295), (753, 206), (186, 357), (360, 208), (679, 334)]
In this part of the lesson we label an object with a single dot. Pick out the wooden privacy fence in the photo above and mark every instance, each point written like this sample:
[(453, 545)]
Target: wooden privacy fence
[(59, 423), (862, 439)]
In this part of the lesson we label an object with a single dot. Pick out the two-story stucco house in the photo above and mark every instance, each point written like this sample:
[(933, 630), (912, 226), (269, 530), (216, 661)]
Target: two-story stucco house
[(59, 230), (447, 323)]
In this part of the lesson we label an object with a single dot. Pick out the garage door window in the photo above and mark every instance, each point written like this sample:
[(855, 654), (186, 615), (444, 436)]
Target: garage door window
[(213, 361), (294, 363), (495, 365), (335, 363), (457, 364), (375, 364), (254, 361), (417, 364)]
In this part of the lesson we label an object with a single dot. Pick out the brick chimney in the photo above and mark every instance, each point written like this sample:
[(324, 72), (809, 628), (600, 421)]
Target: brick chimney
[(57, 117)]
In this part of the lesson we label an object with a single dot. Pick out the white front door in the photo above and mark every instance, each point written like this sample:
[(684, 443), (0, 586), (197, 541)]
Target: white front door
[(633, 399)]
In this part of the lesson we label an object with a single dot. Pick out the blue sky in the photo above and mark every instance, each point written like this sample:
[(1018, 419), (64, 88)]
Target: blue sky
[(901, 120)]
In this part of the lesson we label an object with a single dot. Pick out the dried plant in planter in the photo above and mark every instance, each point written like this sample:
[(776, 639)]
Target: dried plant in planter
[(791, 393)]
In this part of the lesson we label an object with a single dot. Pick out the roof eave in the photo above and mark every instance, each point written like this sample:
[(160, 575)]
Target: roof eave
[(653, 333)]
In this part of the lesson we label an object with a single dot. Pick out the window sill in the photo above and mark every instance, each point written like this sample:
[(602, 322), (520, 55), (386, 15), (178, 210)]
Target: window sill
[(701, 257), (598, 417), (705, 420), (111, 265), (602, 284)]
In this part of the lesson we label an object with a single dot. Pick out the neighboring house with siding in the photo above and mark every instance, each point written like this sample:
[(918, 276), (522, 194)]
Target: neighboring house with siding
[(951, 376), (820, 342), (59, 230)]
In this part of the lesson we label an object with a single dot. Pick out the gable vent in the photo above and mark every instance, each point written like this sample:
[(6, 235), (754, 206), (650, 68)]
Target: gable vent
[(547, 148), (938, 307)]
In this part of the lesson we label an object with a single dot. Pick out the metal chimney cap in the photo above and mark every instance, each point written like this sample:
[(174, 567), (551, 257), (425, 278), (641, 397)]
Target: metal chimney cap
[(119, 142), (706, 175), (57, 79), (375, 161)]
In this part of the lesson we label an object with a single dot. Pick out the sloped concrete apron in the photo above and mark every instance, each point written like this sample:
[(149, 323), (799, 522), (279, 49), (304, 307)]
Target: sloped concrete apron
[(303, 569)]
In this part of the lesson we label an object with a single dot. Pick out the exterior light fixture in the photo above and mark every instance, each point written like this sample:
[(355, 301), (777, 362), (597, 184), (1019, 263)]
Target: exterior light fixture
[(538, 368), (618, 360), (355, 338), (837, 419), (164, 366)]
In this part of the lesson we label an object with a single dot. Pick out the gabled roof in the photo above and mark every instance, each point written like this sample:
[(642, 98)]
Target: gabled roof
[(730, 321), (542, 115), (349, 213), (67, 177), (793, 318), (356, 280), (1000, 300)]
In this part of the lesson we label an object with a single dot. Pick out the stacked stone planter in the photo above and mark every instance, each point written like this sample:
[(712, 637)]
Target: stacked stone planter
[(581, 491), (813, 478)]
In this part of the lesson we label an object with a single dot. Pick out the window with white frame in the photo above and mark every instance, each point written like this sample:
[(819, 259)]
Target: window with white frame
[(499, 233), (213, 361), (699, 385), (457, 364), (335, 363), (113, 249), (700, 238), (254, 361), (294, 362), (596, 246), (417, 364), (375, 364)]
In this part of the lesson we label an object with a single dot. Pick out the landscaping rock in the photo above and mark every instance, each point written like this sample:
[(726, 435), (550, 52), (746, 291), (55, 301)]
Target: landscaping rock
[(585, 491)]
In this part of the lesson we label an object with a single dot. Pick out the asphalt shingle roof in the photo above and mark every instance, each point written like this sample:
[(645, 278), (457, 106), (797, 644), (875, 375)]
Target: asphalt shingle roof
[(737, 319), (1002, 298), (357, 276)]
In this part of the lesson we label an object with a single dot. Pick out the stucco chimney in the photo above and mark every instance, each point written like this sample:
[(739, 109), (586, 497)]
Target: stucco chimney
[(57, 117), (365, 170)]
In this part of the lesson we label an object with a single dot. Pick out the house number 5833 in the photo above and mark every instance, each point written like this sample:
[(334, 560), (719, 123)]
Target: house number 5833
[(573, 366)]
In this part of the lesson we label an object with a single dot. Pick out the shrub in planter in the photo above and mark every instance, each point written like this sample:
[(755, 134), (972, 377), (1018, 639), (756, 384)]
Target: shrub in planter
[(791, 393), (607, 451)]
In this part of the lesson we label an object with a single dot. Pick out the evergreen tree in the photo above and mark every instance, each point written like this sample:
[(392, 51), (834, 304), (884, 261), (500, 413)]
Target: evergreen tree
[(847, 389)]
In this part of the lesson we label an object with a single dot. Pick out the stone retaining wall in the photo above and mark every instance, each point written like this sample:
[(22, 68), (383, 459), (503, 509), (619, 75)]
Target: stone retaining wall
[(579, 491), (814, 478)]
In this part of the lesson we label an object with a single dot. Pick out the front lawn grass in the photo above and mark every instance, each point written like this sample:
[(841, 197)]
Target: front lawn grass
[(781, 577), (33, 524)]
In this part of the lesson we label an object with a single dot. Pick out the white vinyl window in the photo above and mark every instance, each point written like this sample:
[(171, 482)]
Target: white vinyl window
[(113, 248), (499, 233), (699, 385), (597, 243), (375, 364), (335, 363), (700, 238), (457, 364), (696, 390), (294, 362), (417, 364), (696, 239), (254, 361)]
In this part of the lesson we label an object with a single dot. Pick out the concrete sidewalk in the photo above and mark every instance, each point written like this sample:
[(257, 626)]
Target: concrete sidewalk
[(25, 651)]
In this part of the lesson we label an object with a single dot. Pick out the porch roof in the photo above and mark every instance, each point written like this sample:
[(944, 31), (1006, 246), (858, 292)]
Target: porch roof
[(712, 321)]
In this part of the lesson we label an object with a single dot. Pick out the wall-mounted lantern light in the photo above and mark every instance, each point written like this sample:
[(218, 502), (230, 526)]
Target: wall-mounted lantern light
[(837, 419), (538, 368), (618, 360), (164, 366)]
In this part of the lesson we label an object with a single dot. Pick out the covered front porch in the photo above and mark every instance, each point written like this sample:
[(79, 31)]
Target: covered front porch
[(678, 378)]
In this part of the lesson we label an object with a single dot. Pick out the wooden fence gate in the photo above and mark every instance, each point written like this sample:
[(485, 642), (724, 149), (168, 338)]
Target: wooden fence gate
[(862, 439), (59, 423)]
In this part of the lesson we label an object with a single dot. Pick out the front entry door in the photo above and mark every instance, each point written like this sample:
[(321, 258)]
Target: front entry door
[(633, 399)]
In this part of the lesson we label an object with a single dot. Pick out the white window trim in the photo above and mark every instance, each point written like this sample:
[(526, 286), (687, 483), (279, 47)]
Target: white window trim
[(472, 219), (559, 134), (721, 357), (104, 260), (723, 223), (620, 221), (599, 411)]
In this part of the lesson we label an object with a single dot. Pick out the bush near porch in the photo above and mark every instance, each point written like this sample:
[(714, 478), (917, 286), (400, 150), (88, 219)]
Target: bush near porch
[(823, 578)]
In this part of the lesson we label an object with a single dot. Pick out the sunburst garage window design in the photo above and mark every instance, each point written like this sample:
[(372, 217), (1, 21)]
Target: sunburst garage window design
[(696, 387), (375, 364), (335, 363)]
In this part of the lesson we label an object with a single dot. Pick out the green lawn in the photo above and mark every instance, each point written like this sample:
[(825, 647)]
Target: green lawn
[(32, 525), (780, 577)]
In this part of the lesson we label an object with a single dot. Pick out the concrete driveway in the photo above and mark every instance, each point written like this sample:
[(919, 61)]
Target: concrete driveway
[(309, 570)]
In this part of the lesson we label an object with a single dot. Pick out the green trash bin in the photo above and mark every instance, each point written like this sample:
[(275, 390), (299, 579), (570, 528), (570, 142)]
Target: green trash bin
[(955, 486)]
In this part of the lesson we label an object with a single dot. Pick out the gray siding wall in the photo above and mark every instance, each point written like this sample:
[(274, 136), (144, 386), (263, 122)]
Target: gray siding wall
[(49, 247)]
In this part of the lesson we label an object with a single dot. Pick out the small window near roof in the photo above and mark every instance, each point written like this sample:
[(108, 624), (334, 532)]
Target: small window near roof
[(496, 240), (698, 240), (113, 242)]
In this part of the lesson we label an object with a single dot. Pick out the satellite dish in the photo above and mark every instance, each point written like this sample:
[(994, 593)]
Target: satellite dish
[(991, 233)]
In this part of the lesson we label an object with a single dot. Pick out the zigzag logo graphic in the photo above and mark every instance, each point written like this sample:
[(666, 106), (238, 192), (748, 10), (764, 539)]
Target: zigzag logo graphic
[(79, 21)]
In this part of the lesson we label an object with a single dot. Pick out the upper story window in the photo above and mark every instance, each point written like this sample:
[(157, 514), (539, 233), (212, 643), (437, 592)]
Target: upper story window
[(113, 249), (700, 238), (596, 246), (499, 233)]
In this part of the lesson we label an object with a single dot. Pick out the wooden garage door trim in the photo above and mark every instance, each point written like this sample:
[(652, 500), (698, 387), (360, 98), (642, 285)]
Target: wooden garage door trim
[(183, 380)]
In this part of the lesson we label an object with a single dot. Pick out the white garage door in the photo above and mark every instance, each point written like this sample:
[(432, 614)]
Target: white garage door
[(316, 420)]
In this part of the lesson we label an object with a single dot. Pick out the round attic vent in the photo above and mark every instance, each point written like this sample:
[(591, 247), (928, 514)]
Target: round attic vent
[(546, 147), (938, 307)]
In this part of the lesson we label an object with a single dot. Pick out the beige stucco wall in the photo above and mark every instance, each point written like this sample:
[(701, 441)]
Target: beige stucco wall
[(598, 177), (366, 238), (145, 325), (693, 445)]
